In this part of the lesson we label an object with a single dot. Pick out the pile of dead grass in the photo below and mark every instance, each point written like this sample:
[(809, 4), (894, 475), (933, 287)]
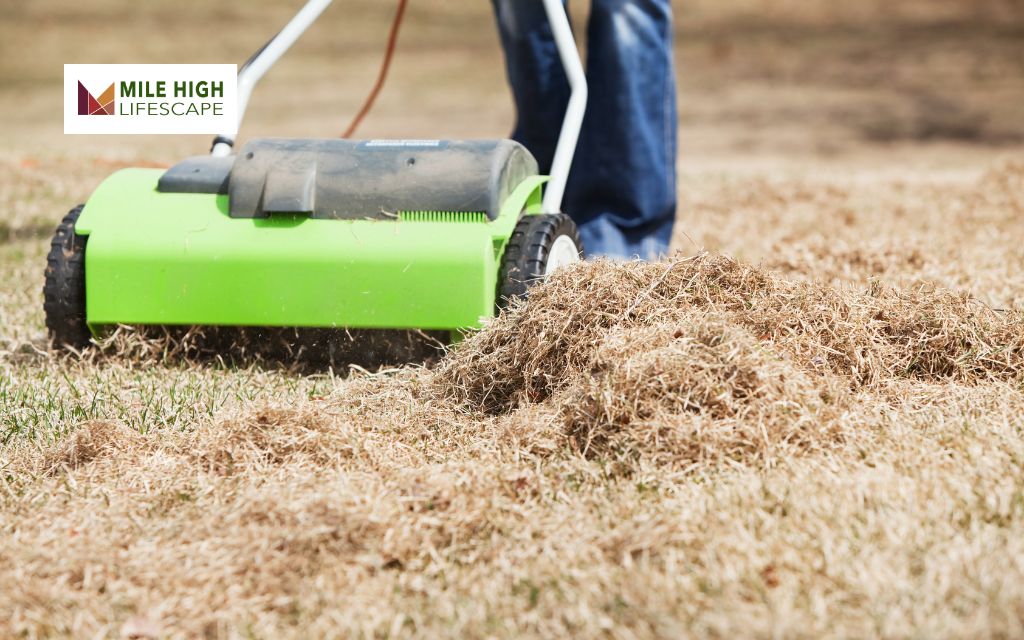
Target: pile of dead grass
[(705, 359), (866, 336)]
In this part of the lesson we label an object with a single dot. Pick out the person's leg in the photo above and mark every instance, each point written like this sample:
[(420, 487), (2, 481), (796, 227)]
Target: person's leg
[(539, 85), (622, 190)]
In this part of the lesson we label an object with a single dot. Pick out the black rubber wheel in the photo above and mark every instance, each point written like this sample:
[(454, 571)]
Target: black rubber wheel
[(64, 289), (527, 252)]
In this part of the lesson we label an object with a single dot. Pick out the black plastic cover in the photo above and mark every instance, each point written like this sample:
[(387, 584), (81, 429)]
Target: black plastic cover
[(197, 174), (347, 179)]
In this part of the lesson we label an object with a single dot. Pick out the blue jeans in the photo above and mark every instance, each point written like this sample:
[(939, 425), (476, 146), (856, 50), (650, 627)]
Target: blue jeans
[(622, 187)]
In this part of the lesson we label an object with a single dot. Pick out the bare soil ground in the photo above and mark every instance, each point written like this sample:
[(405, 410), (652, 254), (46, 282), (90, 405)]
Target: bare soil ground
[(819, 435)]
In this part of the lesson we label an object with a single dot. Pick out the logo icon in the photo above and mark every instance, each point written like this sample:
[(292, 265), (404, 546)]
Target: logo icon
[(89, 105)]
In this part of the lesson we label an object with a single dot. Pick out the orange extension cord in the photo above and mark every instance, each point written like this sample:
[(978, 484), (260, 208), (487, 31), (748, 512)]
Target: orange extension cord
[(382, 75)]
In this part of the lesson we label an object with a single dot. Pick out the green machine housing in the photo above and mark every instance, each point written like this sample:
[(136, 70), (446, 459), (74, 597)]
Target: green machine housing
[(309, 233)]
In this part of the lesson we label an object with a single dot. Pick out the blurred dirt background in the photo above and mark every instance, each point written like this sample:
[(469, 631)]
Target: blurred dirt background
[(824, 438)]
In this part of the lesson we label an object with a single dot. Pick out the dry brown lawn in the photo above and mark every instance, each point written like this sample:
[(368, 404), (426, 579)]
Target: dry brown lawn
[(821, 435)]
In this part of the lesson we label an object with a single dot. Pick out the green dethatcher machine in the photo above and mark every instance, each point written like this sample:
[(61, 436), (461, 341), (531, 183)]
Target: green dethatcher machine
[(332, 233)]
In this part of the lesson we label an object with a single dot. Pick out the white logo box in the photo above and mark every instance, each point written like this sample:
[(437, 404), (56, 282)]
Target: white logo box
[(155, 98)]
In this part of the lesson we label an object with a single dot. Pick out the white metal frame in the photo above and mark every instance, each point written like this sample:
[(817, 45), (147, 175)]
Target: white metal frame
[(573, 122), (249, 75)]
